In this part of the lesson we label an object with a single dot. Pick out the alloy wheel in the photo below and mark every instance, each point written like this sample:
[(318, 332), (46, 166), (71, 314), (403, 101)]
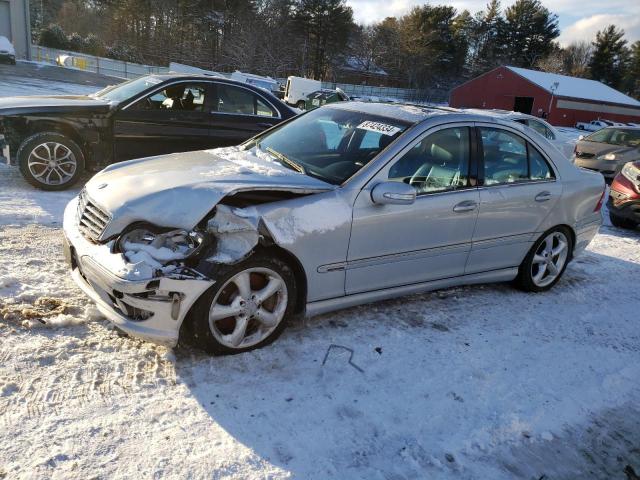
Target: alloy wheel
[(550, 259), (52, 163), (248, 308)]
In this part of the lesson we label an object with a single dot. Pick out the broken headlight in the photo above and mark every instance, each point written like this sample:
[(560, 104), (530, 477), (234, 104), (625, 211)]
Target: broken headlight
[(141, 243)]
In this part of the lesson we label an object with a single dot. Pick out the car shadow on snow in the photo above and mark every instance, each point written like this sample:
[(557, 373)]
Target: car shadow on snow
[(451, 382)]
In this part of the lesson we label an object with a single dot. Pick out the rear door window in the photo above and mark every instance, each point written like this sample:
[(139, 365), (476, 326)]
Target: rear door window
[(240, 101), (509, 158)]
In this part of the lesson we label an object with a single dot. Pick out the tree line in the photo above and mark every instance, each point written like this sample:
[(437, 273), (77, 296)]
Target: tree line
[(432, 46)]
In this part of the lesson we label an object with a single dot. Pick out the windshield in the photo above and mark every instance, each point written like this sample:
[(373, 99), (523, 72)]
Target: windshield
[(123, 91), (330, 144), (616, 136)]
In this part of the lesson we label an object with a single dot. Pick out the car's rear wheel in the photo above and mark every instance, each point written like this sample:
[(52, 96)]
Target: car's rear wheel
[(622, 222), (247, 308), (50, 161), (546, 261)]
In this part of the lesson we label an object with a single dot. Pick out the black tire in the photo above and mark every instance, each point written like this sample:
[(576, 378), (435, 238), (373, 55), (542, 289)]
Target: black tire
[(195, 330), (524, 280), (622, 222), (30, 143)]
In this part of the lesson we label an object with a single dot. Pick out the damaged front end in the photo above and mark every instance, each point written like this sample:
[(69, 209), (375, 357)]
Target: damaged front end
[(140, 281), (146, 279)]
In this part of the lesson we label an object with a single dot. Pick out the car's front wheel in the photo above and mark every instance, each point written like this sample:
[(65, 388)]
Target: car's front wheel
[(50, 161), (247, 308), (546, 261)]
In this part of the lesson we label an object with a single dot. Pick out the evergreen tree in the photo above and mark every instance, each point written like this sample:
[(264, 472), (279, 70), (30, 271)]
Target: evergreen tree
[(632, 81), (610, 56), (325, 26), (529, 31), (486, 42)]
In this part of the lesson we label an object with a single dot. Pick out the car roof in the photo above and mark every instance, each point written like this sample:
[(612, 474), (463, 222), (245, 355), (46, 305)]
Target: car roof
[(415, 113), (166, 77)]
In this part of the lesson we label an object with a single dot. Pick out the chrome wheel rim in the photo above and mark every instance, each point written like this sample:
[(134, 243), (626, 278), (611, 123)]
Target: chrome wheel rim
[(52, 163), (549, 259), (248, 308)]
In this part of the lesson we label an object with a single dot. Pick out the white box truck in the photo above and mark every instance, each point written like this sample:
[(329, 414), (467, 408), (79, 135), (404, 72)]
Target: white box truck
[(298, 88)]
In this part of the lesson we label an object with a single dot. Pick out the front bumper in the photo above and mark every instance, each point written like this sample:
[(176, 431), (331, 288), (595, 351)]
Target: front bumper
[(7, 57), (629, 210), (149, 308)]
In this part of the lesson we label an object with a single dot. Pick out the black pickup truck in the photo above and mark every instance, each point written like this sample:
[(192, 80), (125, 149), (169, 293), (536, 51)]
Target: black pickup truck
[(53, 139)]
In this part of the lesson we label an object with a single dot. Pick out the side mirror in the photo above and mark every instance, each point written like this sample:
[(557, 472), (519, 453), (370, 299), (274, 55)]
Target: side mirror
[(393, 193), (581, 137)]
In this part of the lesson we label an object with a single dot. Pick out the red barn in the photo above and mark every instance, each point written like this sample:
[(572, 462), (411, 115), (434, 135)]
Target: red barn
[(563, 100)]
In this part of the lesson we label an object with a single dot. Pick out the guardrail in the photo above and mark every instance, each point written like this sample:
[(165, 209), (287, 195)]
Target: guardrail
[(90, 63)]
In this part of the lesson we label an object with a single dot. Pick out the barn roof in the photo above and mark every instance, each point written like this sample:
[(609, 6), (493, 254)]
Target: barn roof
[(574, 87)]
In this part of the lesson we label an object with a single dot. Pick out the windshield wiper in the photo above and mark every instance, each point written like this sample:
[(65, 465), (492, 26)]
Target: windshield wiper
[(288, 162)]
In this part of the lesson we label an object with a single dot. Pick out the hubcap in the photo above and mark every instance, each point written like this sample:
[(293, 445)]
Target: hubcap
[(248, 307), (52, 163), (549, 259)]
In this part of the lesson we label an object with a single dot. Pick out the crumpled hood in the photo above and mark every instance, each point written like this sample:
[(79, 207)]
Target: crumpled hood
[(178, 190)]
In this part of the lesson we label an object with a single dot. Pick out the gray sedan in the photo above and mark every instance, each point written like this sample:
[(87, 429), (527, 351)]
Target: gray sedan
[(344, 205), (608, 150)]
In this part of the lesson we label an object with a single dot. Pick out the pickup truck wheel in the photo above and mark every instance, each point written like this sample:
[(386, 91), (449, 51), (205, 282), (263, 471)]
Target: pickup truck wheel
[(247, 307), (50, 161)]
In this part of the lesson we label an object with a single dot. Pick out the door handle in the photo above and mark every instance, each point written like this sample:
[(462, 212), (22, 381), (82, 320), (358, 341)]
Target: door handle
[(543, 196), (466, 206)]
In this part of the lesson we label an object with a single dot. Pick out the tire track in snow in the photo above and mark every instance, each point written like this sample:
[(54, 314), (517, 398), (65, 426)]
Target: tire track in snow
[(37, 396)]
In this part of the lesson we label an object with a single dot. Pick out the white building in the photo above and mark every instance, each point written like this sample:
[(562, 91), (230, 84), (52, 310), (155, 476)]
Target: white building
[(15, 25)]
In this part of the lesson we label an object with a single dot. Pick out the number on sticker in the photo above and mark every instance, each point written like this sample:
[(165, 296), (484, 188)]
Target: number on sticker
[(379, 127)]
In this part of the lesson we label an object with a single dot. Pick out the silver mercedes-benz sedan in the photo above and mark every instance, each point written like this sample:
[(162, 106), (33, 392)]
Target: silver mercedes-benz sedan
[(344, 205)]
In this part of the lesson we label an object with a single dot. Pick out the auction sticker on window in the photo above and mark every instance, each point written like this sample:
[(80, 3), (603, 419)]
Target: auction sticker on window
[(379, 127)]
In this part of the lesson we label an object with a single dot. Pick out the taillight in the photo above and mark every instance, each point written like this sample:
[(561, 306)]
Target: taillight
[(599, 204)]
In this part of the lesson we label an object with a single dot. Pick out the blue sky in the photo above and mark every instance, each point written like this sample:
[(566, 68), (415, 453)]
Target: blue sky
[(579, 19)]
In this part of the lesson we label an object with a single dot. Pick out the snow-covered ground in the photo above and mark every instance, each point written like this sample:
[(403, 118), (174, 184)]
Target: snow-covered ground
[(480, 382), (37, 86), (32, 78)]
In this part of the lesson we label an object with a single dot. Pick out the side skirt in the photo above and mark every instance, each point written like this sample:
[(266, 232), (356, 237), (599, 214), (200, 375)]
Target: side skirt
[(323, 306)]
